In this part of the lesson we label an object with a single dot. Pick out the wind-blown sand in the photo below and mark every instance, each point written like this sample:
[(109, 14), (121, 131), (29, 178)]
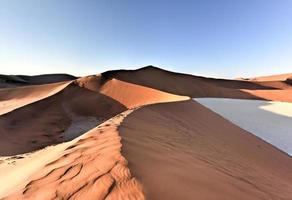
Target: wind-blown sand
[(182, 150), (271, 121)]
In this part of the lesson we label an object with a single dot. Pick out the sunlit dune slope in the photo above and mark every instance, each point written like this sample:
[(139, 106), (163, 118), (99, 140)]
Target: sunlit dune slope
[(132, 95), (182, 150), (128, 94)]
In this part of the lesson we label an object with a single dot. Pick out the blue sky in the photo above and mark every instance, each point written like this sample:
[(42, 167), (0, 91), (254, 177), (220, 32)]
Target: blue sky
[(223, 38)]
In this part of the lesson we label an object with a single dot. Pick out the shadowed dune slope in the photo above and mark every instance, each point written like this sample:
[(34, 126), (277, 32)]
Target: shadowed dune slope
[(182, 150), (23, 80), (193, 86), (45, 122), (91, 167)]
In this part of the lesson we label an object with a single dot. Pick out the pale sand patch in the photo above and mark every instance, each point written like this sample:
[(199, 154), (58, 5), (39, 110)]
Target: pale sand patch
[(268, 120), (280, 108)]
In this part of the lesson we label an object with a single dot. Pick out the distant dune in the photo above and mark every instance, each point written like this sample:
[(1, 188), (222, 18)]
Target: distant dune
[(23, 80), (135, 134), (278, 77), (196, 86)]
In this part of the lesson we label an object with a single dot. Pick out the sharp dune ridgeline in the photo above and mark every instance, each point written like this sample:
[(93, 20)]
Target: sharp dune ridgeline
[(136, 134)]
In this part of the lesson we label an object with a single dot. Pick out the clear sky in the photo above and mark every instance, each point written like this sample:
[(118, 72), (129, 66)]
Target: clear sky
[(223, 38)]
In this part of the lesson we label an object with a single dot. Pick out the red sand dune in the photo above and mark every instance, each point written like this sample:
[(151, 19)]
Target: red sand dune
[(90, 168), (128, 94), (13, 98), (42, 123), (8, 81), (175, 150), (132, 95), (182, 150), (278, 77), (195, 86)]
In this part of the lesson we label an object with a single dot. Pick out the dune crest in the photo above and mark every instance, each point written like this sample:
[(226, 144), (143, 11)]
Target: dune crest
[(197, 86), (91, 167), (131, 95)]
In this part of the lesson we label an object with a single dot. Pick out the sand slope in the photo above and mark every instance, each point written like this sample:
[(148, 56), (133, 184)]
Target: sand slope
[(128, 94), (131, 95), (13, 98), (23, 80), (196, 86), (177, 150), (278, 77), (182, 150), (91, 167), (272, 95), (45, 122)]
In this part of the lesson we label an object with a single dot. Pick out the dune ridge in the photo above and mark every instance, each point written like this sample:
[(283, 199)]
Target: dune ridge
[(91, 167), (131, 95), (196, 86)]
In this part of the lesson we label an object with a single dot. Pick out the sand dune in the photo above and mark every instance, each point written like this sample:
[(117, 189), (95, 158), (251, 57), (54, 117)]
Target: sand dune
[(23, 80), (48, 121), (89, 167), (134, 134), (272, 95), (195, 86), (13, 98), (182, 150), (131, 95), (278, 77), (128, 94)]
